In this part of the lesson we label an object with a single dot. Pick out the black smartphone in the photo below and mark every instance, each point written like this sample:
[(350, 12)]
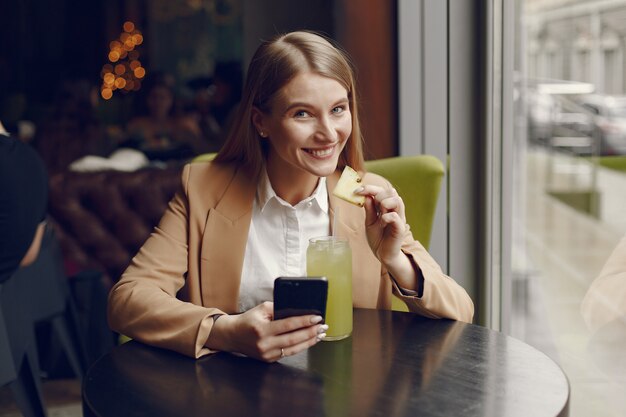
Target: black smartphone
[(298, 296)]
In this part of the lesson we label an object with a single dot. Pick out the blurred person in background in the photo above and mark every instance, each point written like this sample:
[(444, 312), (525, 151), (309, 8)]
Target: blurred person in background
[(71, 128), (157, 129), (215, 101)]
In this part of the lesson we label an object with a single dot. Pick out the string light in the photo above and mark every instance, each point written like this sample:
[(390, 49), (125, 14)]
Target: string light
[(123, 72), (139, 72), (128, 26), (120, 82), (107, 93)]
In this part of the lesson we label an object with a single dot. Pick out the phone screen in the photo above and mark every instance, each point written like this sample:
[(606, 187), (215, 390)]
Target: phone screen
[(297, 296)]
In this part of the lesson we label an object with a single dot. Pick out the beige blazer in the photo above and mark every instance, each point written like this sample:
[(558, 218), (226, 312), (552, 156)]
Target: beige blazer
[(190, 267)]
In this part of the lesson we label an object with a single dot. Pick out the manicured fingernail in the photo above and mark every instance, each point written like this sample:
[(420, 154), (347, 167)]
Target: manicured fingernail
[(322, 328), (316, 319), (321, 336), (360, 189)]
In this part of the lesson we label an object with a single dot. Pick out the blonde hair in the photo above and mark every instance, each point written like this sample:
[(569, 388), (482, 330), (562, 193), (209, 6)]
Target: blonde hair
[(273, 65)]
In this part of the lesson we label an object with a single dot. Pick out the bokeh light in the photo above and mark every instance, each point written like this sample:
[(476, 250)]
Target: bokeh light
[(106, 93), (123, 71), (139, 72), (129, 26), (109, 78), (120, 82)]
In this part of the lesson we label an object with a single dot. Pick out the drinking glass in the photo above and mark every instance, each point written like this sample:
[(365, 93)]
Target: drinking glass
[(331, 257)]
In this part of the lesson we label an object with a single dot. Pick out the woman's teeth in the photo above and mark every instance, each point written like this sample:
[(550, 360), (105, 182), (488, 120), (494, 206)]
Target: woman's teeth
[(320, 153)]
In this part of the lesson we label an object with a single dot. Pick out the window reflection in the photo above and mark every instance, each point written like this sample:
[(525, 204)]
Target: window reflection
[(569, 197)]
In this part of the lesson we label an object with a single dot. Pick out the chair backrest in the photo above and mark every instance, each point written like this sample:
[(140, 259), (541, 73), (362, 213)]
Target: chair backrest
[(204, 157), (418, 181)]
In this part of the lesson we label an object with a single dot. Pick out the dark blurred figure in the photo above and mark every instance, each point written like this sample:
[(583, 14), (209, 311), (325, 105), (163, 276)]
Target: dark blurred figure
[(157, 129), (215, 101), (23, 203), (71, 129)]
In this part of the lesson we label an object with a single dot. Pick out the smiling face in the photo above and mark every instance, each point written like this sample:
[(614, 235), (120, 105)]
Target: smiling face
[(307, 128)]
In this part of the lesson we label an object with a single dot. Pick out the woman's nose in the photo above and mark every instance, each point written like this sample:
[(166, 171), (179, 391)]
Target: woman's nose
[(326, 129)]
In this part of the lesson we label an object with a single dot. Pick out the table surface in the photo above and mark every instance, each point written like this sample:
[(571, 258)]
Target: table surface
[(394, 364)]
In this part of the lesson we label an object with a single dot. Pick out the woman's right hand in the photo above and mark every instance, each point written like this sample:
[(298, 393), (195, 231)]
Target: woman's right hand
[(255, 333)]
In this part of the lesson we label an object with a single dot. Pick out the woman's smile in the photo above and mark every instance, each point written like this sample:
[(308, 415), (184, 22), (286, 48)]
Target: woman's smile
[(320, 153)]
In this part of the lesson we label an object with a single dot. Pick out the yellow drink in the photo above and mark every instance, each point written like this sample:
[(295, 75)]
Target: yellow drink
[(331, 257)]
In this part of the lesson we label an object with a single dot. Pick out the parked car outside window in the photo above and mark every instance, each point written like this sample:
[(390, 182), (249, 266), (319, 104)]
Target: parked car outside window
[(609, 117)]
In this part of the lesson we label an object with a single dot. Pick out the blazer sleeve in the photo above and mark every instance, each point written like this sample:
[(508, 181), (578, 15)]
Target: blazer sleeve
[(443, 297), (143, 304)]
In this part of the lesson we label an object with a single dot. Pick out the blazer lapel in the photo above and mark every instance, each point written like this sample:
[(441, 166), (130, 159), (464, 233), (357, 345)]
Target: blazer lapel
[(226, 234), (224, 243)]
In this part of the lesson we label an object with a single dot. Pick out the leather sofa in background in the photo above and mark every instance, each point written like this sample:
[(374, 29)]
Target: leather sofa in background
[(102, 218)]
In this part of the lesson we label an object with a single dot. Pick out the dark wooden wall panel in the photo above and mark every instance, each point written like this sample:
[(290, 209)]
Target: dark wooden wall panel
[(367, 30)]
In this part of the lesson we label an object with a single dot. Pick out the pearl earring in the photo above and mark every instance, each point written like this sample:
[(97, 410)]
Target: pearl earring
[(262, 133)]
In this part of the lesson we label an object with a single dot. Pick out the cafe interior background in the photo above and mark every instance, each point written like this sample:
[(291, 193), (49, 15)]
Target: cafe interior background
[(522, 101)]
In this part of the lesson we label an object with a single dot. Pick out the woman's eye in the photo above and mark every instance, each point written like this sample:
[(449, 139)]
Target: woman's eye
[(301, 113), (338, 109)]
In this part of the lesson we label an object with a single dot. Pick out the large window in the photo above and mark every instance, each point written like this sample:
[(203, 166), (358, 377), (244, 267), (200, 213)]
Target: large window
[(569, 195)]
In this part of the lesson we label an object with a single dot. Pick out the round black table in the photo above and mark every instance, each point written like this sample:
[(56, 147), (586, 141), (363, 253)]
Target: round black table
[(394, 364)]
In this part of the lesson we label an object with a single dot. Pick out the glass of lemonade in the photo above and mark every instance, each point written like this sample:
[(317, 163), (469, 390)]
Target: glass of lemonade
[(331, 257)]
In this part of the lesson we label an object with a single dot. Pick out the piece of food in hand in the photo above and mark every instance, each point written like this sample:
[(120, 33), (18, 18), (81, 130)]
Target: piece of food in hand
[(349, 182)]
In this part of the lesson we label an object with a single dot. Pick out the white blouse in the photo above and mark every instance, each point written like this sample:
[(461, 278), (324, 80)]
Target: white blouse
[(278, 238)]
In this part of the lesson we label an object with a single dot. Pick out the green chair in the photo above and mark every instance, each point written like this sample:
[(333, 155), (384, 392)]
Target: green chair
[(418, 181), (204, 157)]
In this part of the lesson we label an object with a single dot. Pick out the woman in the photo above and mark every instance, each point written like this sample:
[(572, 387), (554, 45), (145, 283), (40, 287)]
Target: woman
[(246, 218)]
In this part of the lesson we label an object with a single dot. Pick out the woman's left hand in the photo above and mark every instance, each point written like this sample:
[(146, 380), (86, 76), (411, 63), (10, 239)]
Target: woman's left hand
[(385, 221)]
